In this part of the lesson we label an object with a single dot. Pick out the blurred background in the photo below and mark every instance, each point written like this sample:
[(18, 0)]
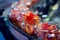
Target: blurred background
[(48, 10)]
